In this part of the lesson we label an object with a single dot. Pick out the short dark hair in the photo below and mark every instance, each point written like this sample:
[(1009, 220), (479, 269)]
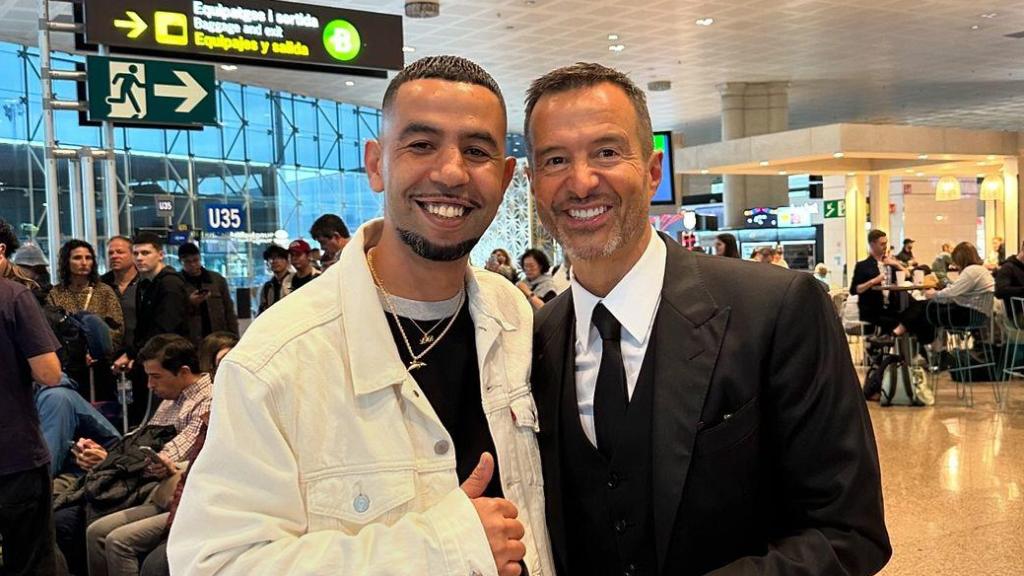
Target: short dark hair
[(907, 241), (444, 67), (9, 238), (539, 256), (187, 249), (875, 235), (148, 238), (329, 225), (64, 261), (586, 75), (172, 352), (275, 251)]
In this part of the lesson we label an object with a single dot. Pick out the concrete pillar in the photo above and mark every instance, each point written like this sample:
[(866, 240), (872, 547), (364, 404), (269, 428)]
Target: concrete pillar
[(750, 109), (879, 194), (1012, 217), (856, 221)]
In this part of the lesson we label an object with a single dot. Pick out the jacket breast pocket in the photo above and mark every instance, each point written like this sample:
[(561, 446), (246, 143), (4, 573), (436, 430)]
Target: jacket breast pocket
[(732, 430), (350, 501)]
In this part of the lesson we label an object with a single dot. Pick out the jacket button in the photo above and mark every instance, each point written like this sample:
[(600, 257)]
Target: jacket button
[(613, 481), (620, 526), (361, 503), (631, 570), (441, 447)]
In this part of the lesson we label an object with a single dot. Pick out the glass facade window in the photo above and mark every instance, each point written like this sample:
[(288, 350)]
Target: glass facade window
[(285, 158)]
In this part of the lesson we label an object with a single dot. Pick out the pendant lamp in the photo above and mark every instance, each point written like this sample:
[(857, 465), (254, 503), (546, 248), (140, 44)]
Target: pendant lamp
[(992, 187), (947, 189)]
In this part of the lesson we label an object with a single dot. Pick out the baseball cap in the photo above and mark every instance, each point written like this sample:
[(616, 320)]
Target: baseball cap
[(299, 247)]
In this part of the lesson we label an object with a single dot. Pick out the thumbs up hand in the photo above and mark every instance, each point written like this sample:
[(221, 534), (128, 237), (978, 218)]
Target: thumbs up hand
[(498, 517)]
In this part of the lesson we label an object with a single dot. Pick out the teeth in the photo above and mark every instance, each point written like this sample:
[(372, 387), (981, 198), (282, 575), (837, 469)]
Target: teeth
[(446, 210), (588, 213)]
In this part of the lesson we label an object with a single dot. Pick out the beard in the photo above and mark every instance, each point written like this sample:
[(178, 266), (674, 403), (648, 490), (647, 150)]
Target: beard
[(436, 252), (629, 225)]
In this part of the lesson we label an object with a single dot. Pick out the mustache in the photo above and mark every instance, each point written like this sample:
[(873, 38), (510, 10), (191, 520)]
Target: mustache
[(446, 193)]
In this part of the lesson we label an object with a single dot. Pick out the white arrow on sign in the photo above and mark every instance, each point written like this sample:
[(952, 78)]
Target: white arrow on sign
[(190, 91)]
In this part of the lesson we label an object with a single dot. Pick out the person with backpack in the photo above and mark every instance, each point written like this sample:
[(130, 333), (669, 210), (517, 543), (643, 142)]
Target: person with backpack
[(80, 293)]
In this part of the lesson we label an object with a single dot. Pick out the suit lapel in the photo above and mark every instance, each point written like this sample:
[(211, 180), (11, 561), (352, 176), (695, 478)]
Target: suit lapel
[(553, 370), (688, 333)]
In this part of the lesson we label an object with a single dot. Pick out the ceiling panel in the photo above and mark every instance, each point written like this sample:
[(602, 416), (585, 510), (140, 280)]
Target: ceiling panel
[(912, 61)]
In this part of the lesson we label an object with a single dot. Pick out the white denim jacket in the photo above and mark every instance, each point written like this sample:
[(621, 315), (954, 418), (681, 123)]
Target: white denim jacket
[(324, 457)]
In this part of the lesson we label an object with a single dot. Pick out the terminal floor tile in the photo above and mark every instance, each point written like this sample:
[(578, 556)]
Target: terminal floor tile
[(953, 480)]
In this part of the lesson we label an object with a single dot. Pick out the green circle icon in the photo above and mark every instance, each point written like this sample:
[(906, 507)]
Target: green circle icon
[(341, 39)]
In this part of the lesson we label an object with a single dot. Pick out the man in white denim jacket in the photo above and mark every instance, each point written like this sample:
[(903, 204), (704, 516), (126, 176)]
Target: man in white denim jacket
[(341, 466)]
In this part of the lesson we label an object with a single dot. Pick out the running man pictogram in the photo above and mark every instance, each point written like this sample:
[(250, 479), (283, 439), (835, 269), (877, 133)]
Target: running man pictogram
[(125, 83)]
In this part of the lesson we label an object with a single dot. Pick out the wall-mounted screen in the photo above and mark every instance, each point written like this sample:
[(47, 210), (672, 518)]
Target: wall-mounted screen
[(666, 193)]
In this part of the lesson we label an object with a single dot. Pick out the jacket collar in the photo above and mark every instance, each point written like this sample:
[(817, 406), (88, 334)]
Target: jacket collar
[(372, 355)]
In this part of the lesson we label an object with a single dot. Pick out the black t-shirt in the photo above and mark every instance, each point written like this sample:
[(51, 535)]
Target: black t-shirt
[(204, 308), (451, 382), (24, 334), (299, 282)]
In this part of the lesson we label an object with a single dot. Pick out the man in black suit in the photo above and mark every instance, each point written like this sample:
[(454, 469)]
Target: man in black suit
[(697, 414), (873, 305)]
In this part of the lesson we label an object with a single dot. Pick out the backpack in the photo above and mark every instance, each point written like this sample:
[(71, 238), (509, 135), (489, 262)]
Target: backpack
[(900, 384), (73, 342)]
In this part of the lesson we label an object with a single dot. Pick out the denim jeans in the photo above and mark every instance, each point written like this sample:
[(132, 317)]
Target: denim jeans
[(65, 416)]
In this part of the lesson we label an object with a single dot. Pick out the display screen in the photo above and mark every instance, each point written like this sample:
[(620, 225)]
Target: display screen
[(261, 32), (666, 193)]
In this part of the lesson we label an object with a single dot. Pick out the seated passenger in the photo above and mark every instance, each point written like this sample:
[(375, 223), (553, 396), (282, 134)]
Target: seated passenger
[(1010, 284), (65, 416), (955, 304), (875, 270), (172, 368)]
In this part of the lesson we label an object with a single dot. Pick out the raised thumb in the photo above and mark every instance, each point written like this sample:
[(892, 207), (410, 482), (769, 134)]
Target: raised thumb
[(476, 484)]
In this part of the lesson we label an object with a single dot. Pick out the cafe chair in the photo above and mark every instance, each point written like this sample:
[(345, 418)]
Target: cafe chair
[(1013, 329), (965, 338)]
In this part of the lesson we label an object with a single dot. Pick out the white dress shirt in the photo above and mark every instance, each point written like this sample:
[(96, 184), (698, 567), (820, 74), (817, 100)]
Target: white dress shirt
[(634, 303)]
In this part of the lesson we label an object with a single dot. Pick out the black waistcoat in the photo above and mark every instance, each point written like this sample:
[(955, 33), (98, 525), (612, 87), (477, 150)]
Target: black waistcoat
[(608, 517)]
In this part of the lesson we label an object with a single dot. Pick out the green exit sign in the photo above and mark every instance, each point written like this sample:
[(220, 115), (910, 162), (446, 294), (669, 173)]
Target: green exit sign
[(151, 91), (835, 208)]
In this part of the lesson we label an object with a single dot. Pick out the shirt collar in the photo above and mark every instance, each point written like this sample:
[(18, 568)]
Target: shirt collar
[(198, 388), (633, 301)]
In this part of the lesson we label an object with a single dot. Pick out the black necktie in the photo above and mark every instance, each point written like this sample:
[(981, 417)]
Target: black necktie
[(610, 397)]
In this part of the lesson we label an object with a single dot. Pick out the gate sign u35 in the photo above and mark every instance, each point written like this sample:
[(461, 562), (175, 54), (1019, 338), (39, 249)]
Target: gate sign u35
[(223, 218), (258, 32), (151, 91)]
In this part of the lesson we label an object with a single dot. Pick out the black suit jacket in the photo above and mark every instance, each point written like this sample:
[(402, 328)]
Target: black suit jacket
[(764, 460)]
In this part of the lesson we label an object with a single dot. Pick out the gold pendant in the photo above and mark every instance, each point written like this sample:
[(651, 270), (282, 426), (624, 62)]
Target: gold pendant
[(427, 339), (416, 364)]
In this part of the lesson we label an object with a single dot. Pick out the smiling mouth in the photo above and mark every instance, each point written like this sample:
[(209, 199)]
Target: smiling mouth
[(444, 210), (587, 213)]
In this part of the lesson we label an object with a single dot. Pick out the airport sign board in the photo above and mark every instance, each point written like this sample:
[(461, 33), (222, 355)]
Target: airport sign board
[(152, 92), (256, 32), (835, 208)]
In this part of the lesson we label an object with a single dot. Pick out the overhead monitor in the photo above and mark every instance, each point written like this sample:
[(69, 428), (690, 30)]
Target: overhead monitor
[(666, 193), (257, 32)]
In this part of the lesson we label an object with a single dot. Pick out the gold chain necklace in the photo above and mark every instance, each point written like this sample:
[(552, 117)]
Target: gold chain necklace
[(416, 358)]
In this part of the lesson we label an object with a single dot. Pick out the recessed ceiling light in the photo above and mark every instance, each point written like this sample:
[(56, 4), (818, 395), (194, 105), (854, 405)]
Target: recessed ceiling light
[(838, 155), (705, 22), (783, 172), (228, 67), (763, 162), (851, 173), (975, 27), (349, 83), (613, 37), (922, 156), (408, 49), (919, 174), (990, 157), (990, 15), (617, 47), (704, 171)]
